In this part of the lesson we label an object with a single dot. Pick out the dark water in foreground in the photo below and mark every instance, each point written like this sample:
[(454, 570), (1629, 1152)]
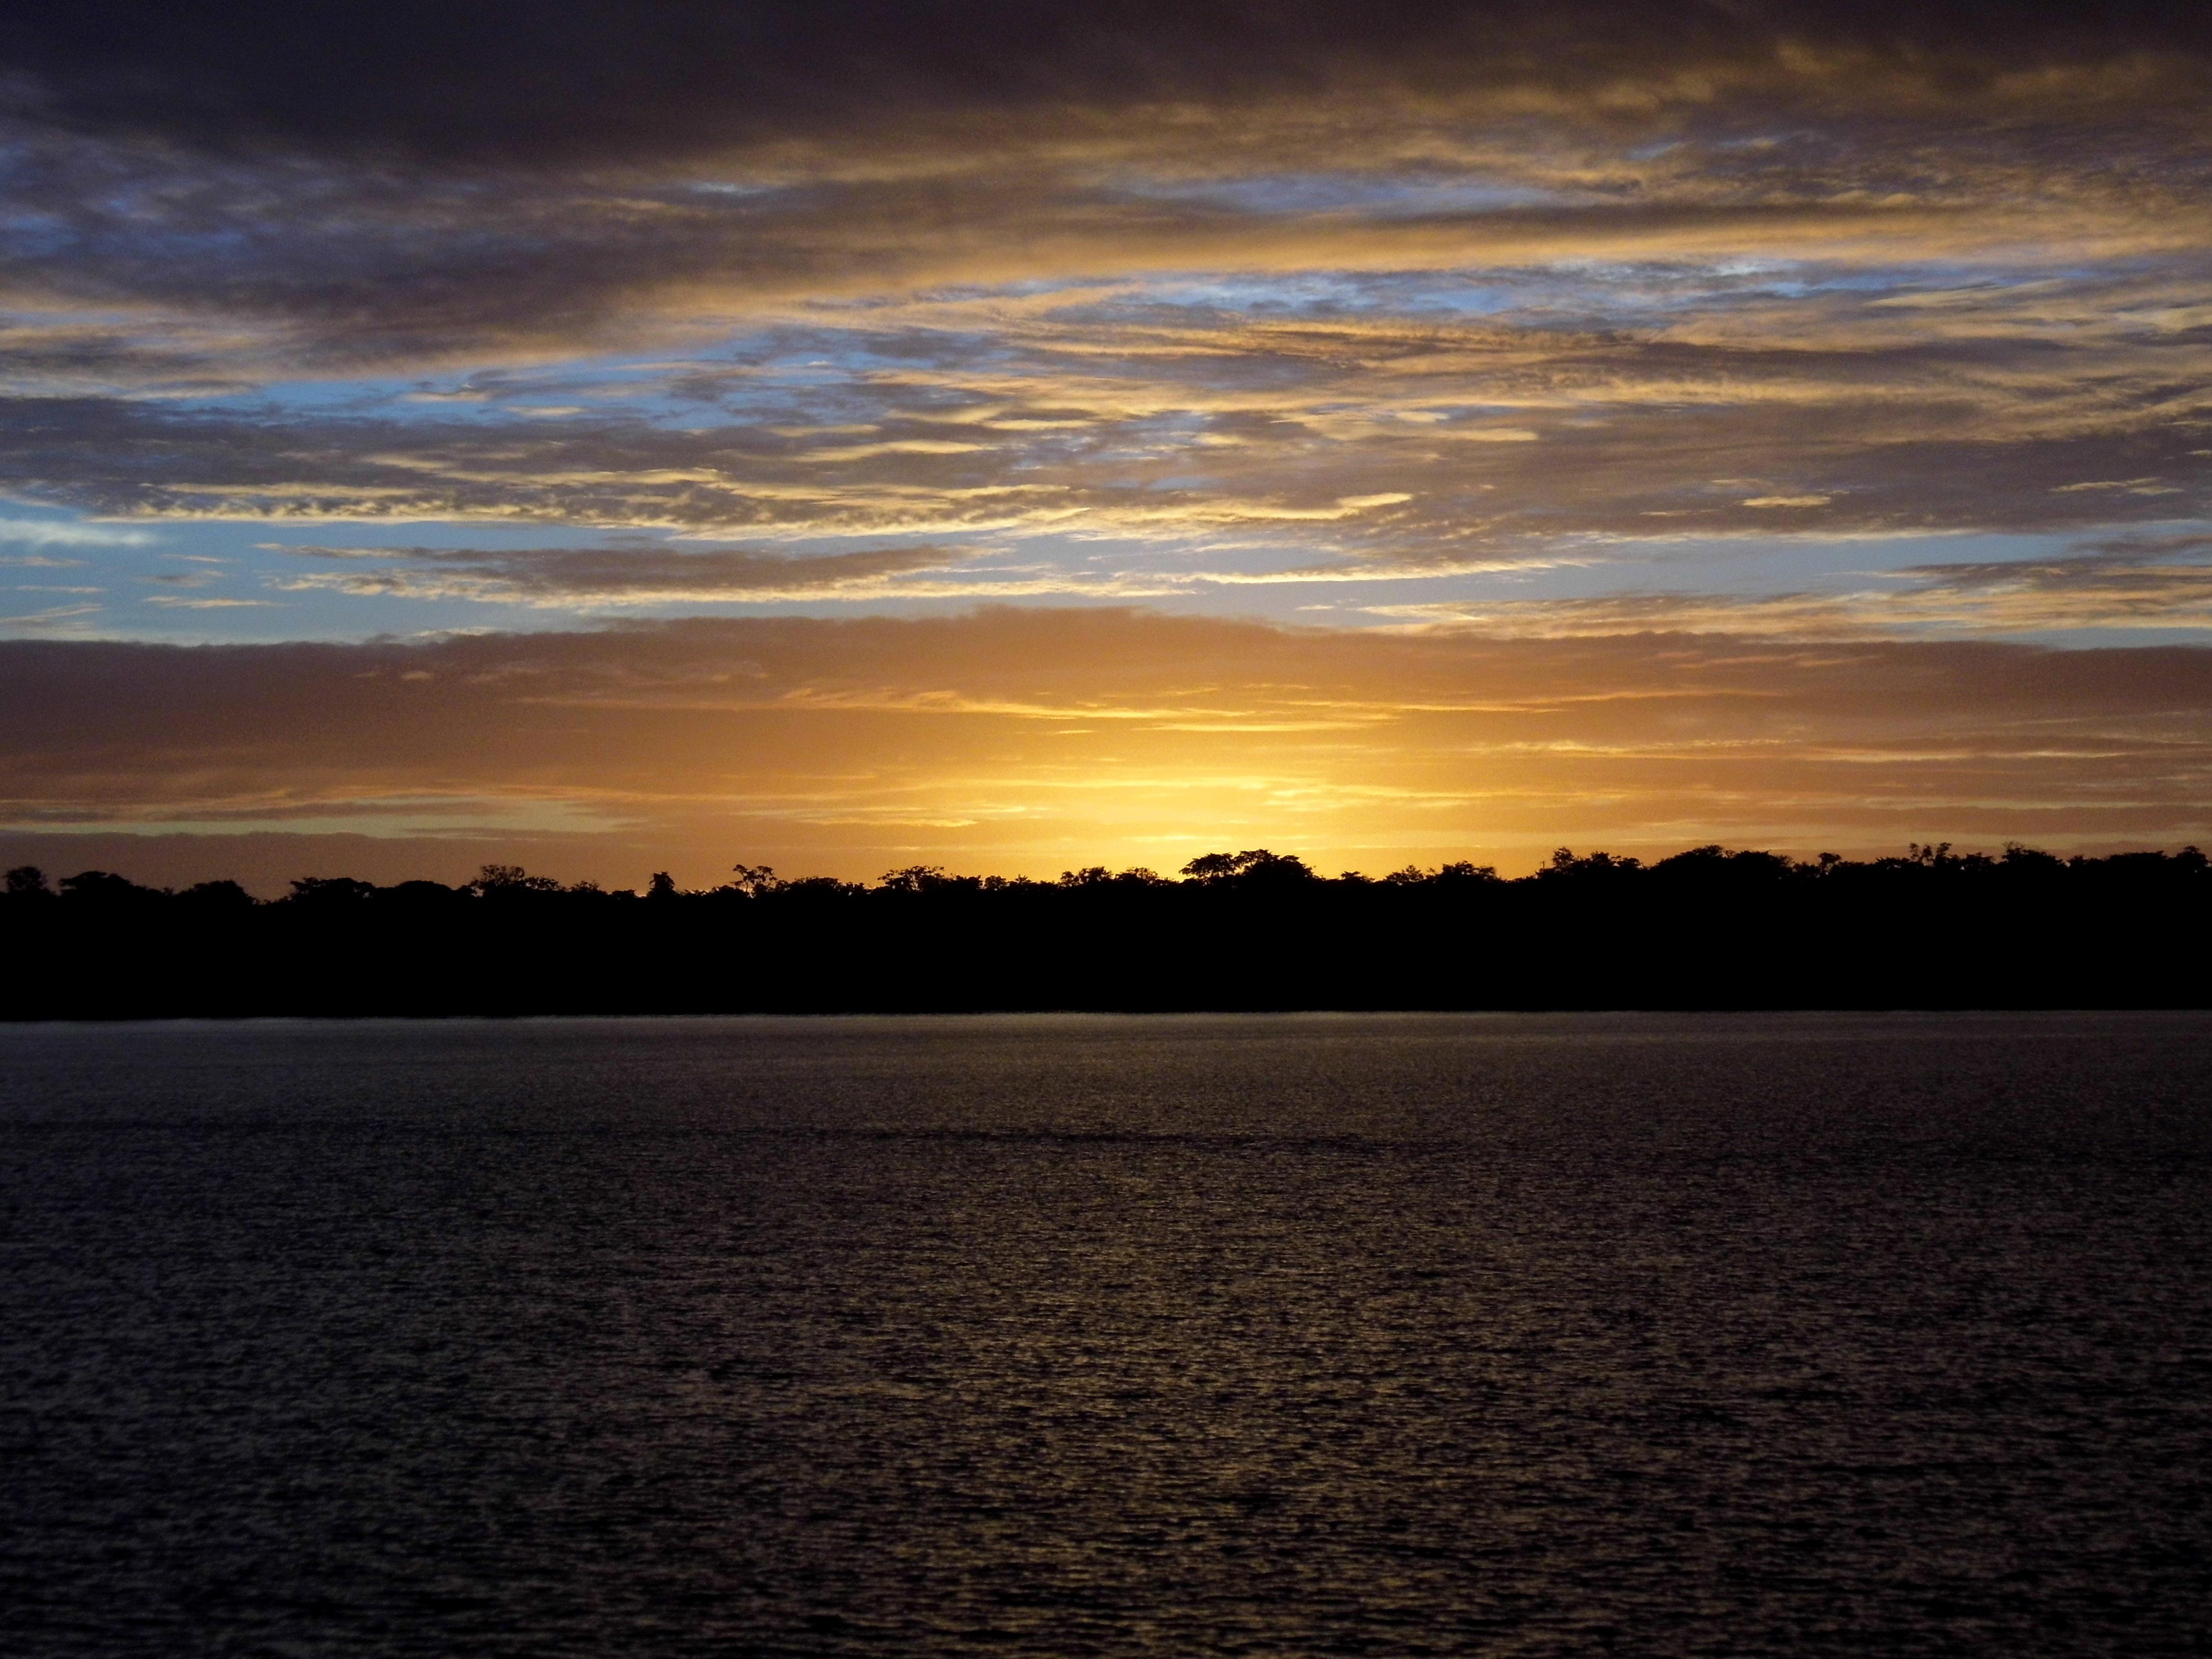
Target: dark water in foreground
[(1512, 1335)]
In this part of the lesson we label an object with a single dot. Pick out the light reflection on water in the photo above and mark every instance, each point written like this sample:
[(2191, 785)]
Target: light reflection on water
[(1450, 1334)]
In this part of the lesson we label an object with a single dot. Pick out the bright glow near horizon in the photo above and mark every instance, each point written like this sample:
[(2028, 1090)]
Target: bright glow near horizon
[(1755, 443)]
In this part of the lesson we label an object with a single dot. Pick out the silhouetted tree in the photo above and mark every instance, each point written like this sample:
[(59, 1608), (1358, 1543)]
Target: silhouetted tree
[(1464, 874), (101, 887), (1257, 866), (923, 878), (510, 880), (420, 893), (218, 896), (1212, 867), (1707, 926), (331, 889)]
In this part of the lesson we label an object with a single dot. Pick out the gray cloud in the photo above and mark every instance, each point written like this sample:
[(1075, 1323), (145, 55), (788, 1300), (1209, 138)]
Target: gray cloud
[(1385, 291), (1497, 441), (582, 80), (1439, 136)]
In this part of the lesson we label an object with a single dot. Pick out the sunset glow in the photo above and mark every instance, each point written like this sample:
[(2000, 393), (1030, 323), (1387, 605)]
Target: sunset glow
[(1010, 441)]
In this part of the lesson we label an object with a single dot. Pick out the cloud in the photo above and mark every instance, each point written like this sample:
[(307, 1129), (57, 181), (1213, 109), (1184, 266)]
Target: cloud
[(47, 532), (1193, 303), (214, 204), (1134, 273), (570, 578), (1205, 422), (2159, 583), (582, 80), (63, 617), (1031, 740)]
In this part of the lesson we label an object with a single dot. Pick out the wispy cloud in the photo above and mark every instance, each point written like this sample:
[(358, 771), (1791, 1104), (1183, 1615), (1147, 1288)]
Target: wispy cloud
[(54, 617), (588, 578), (2136, 584), (45, 532)]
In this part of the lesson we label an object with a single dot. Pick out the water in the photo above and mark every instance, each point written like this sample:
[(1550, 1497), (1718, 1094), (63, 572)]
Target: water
[(1281, 1335)]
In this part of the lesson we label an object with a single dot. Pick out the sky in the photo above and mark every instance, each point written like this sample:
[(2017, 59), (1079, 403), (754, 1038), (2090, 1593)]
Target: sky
[(1016, 437)]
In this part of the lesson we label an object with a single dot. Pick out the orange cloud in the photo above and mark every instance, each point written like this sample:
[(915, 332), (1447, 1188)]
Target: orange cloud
[(1012, 741)]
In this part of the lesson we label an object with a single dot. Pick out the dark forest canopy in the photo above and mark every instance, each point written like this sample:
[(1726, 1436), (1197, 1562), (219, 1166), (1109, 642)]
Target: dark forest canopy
[(1709, 927), (1256, 869)]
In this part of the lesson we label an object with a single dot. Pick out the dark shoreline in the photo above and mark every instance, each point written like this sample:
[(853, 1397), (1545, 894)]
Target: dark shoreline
[(1707, 930)]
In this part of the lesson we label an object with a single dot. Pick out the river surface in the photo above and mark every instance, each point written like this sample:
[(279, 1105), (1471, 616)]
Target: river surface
[(1064, 1335)]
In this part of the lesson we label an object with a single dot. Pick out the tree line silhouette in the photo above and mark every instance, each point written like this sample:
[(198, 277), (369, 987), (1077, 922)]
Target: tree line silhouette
[(1706, 929)]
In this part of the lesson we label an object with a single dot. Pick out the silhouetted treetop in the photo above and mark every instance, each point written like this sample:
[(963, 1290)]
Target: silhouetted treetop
[(507, 881), (101, 887), (1256, 867), (1706, 926), (331, 889)]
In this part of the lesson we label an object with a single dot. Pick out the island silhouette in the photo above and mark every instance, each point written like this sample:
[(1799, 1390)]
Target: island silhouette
[(1708, 928)]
